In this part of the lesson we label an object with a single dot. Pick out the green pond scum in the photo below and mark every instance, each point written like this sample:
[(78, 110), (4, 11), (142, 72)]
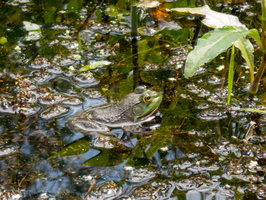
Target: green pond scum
[(176, 94)]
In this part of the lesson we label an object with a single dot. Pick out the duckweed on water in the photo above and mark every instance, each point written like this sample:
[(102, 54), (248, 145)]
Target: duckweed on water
[(196, 147)]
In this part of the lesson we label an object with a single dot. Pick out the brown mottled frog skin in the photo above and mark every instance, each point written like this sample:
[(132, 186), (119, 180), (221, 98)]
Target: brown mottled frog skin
[(130, 111)]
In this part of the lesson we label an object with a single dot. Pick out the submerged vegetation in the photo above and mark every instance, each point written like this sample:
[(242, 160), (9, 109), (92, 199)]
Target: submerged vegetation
[(58, 58)]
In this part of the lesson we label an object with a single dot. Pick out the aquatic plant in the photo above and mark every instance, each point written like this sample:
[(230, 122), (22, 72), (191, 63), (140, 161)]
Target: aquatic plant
[(228, 32)]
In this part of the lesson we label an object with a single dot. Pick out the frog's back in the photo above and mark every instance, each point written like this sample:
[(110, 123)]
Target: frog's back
[(117, 113)]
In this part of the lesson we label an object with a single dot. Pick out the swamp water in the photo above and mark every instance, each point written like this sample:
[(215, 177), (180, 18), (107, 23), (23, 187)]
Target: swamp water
[(203, 148)]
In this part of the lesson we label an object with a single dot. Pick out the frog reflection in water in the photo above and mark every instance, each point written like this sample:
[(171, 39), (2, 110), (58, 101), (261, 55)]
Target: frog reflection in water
[(134, 109)]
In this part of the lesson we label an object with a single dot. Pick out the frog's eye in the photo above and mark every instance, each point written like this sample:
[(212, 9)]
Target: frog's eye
[(147, 98)]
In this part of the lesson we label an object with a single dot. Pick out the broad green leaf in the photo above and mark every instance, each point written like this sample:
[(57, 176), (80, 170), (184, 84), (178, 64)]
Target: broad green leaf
[(247, 50), (253, 110), (75, 148), (254, 33), (211, 45), (231, 75), (212, 18)]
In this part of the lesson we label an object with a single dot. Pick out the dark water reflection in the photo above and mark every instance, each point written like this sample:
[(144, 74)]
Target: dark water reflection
[(200, 151)]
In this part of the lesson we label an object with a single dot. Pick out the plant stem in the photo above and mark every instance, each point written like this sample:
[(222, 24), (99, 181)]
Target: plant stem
[(134, 42), (231, 74), (255, 85)]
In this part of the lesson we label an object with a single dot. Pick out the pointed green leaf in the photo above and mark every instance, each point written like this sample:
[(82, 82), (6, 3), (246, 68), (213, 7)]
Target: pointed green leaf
[(254, 33), (212, 18), (253, 110), (75, 148), (247, 50), (211, 45)]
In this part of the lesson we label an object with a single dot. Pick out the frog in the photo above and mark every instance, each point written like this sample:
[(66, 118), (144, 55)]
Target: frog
[(134, 109)]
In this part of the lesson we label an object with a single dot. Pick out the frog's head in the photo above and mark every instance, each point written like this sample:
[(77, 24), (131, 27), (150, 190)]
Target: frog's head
[(149, 102)]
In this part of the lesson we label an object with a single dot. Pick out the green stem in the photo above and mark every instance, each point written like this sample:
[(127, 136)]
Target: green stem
[(231, 74), (255, 85)]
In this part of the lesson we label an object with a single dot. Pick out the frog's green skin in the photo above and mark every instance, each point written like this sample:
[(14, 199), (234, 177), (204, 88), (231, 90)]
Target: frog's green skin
[(131, 110)]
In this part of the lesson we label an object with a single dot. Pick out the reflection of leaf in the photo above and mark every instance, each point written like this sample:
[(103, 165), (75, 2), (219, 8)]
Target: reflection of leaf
[(108, 157), (14, 18), (150, 145), (75, 148), (74, 5), (148, 52), (168, 25), (212, 18), (138, 150), (178, 108), (162, 135), (211, 45), (173, 37)]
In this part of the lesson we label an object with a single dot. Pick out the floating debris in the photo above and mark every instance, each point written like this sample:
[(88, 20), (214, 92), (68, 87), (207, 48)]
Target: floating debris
[(154, 190), (103, 141), (213, 114), (91, 93), (41, 76), (85, 78), (140, 175), (107, 190), (72, 101), (50, 99), (4, 151), (39, 63), (54, 111)]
